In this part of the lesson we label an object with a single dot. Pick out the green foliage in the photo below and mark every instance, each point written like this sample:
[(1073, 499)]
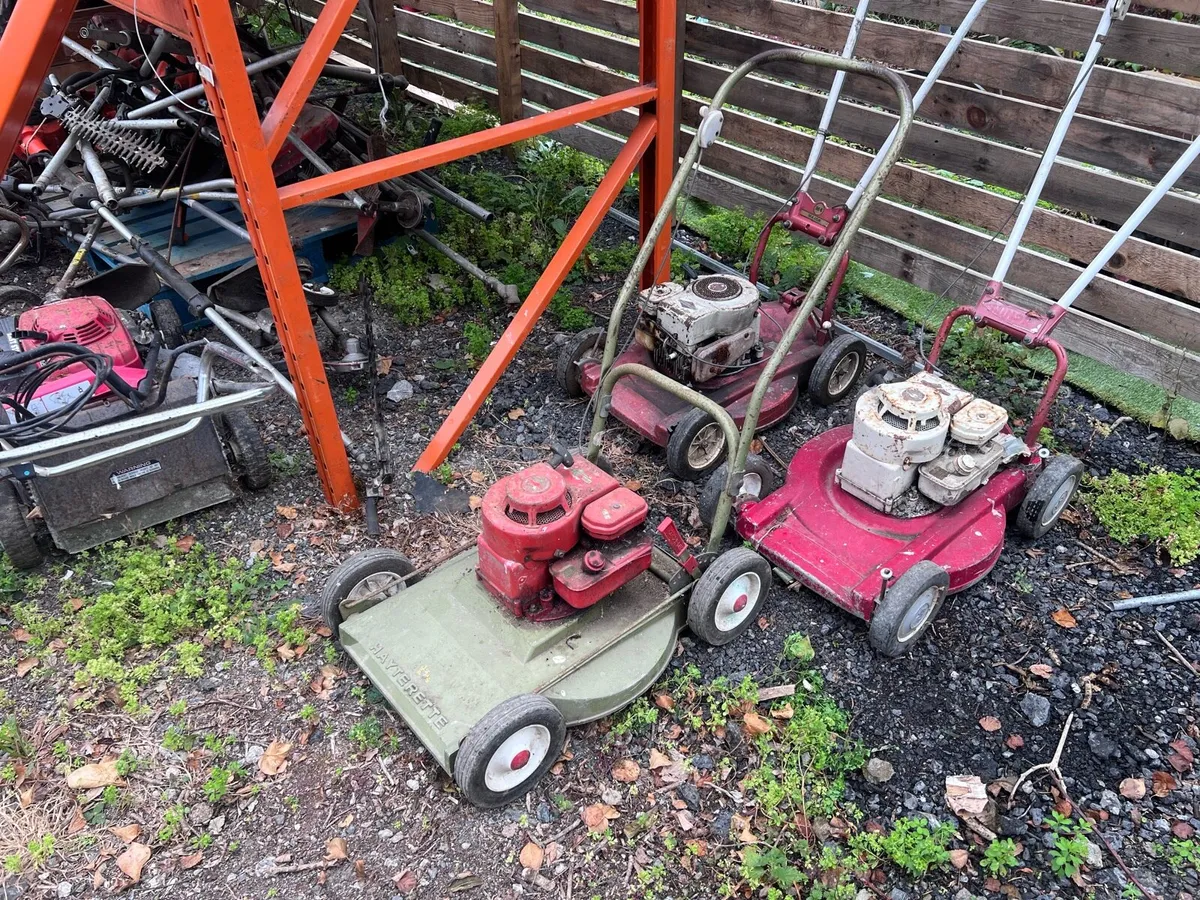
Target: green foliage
[(637, 716), (1000, 857), (178, 740), (444, 473), (40, 850), (127, 763), (911, 845), (219, 780), (1183, 855), (797, 647), (12, 742), (173, 821), (1156, 505), (479, 341), (287, 464), (569, 316), (190, 658), (1070, 848), (309, 714), (770, 867), (178, 708), (467, 119), (366, 734)]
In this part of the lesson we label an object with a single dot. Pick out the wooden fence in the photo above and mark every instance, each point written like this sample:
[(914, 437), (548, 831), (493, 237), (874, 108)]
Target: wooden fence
[(981, 129)]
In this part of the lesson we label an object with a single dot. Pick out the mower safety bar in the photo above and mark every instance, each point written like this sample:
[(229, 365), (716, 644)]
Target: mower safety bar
[(683, 392), (191, 416)]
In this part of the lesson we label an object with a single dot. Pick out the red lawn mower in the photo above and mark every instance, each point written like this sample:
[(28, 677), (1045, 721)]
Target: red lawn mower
[(888, 516), (717, 332)]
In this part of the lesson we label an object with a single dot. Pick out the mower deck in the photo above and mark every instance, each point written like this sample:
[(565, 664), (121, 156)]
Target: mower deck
[(653, 412), (444, 653), (836, 545)]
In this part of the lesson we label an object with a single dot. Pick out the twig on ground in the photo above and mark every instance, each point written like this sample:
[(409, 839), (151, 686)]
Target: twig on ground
[(298, 867), (775, 456), (1175, 652), (629, 871), (562, 834), (386, 774), (1051, 766), (1120, 568)]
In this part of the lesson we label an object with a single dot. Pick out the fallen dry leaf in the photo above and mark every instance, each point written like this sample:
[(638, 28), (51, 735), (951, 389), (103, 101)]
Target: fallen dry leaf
[(132, 860), (78, 822), (475, 501), (634, 485), (532, 856), (288, 512), (1062, 617), (1133, 788), (776, 692), (1182, 759), (741, 825), (191, 860), (1041, 670), (783, 712), (664, 701), (597, 816), (959, 858), (21, 636), (27, 665), (335, 848), (185, 543), (515, 414), (626, 771), (658, 759), (406, 881), (989, 723), (275, 758), (1162, 783), (755, 724), (477, 477), (25, 798), (94, 775), (1183, 830), (966, 795), (1014, 742), (127, 833)]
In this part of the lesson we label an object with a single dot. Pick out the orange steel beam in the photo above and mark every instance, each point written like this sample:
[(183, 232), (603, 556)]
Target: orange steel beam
[(28, 45), (539, 298), (658, 62), (304, 74), (227, 86), (373, 172)]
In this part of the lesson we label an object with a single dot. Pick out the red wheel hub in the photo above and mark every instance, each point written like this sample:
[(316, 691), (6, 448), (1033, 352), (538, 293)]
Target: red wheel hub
[(519, 761), (740, 603)]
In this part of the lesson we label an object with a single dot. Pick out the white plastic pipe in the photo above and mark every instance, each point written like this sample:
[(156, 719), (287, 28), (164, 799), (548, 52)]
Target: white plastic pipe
[(935, 73)]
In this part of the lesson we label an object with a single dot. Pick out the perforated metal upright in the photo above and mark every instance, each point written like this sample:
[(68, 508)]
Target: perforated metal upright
[(33, 36)]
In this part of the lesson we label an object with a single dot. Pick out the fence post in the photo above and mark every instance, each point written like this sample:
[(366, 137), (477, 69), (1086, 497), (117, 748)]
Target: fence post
[(387, 45), (508, 59)]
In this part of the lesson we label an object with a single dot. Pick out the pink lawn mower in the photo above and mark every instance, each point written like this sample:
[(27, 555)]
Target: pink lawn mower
[(718, 332), (889, 515)]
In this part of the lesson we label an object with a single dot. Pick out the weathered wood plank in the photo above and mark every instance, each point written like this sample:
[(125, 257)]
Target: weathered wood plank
[(616, 17), (508, 59), (469, 12)]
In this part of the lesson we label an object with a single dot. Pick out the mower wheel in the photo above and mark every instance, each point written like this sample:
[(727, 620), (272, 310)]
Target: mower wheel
[(366, 573), (249, 452), (16, 537), (756, 468), (15, 299), (587, 344), (509, 750), (696, 446), (837, 369), (167, 323), (727, 597), (908, 607), (1049, 495)]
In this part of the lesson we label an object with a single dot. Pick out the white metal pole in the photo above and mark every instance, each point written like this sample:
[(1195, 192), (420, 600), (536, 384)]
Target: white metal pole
[(935, 73), (1131, 224), (1056, 140), (831, 102)]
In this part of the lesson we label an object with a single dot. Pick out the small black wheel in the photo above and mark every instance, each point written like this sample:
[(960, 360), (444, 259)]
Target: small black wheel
[(509, 750), (365, 574), (696, 446), (16, 537), (1049, 495), (15, 299), (727, 597), (759, 479), (249, 452), (167, 323), (587, 344), (908, 608), (837, 369)]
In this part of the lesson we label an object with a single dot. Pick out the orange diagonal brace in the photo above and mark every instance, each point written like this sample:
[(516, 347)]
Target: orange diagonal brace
[(305, 71), (539, 298), (27, 47), (468, 145), (217, 49)]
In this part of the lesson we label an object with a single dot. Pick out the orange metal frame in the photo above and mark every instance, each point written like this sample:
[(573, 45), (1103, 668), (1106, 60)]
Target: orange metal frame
[(251, 146)]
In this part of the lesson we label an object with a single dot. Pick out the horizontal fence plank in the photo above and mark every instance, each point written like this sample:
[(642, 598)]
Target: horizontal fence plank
[(469, 12)]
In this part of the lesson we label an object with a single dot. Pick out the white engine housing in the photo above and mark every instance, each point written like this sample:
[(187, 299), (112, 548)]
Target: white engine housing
[(709, 307), (925, 426)]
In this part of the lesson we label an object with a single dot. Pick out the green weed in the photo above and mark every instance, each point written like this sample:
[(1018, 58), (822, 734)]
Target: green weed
[(798, 647), (638, 716), (1000, 857), (911, 844), (1070, 848), (479, 341), (220, 778), (1156, 505), (366, 734), (1184, 854)]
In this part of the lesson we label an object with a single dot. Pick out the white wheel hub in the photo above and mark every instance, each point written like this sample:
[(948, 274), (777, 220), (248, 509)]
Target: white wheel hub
[(738, 601), (917, 616), (706, 446), (1058, 502), (380, 584), (517, 759)]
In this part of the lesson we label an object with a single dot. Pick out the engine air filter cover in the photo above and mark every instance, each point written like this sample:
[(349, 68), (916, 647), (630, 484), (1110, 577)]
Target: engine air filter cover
[(913, 402), (537, 491), (717, 287)]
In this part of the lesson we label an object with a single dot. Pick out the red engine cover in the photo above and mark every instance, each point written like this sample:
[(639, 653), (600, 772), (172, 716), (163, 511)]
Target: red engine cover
[(88, 321), (529, 519), (316, 126)]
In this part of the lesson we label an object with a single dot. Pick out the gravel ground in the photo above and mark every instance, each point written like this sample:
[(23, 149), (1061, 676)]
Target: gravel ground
[(405, 831)]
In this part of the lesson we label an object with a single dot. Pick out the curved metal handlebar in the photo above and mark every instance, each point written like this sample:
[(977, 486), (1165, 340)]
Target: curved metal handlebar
[(738, 448)]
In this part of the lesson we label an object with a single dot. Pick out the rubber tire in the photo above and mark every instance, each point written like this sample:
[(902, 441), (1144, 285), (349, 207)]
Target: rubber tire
[(365, 563), (15, 299), (841, 347), (702, 605), (577, 348), (884, 630), (486, 736), (16, 537), (249, 452), (681, 439), (1056, 472), (710, 494), (167, 323)]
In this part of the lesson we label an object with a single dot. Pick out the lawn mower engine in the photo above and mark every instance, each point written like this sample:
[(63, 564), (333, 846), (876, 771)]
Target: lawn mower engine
[(698, 331), (924, 430), (559, 536)]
